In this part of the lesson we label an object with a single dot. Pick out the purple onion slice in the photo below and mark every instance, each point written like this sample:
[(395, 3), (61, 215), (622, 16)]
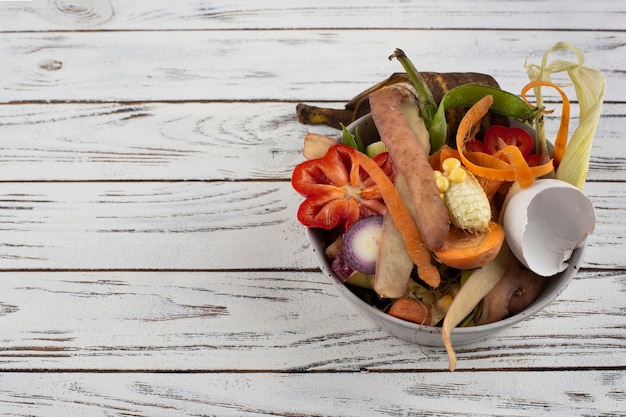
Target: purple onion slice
[(360, 243)]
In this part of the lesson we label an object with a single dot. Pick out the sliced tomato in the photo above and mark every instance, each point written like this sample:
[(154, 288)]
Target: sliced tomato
[(498, 137)]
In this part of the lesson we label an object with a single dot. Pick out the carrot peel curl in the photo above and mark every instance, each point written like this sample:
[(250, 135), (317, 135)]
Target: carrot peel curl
[(560, 142), (484, 165)]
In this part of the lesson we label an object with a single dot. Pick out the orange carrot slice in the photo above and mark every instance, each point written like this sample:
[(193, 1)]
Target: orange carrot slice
[(523, 174), (490, 186), (463, 250), (441, 155)]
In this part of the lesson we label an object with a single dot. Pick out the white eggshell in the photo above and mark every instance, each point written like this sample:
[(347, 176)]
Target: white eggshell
[(545, 222)]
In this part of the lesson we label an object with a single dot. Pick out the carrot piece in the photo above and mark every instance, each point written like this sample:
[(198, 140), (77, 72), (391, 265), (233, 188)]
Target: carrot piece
[(412, 310), (448, 152), (523, 174), (492, 167), (483, 169), (441, 155), (465, 132), (435, 159), (490, 186), (560, 142), (402, 219), (411, 159), (464, 250)]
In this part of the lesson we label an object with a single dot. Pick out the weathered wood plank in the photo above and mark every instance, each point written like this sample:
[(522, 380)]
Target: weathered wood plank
[(147, 141), (144, 225), (307, 65), (196, 225), (570, 394), (164, 288), (240, 14), (272, 321), (201, 141)]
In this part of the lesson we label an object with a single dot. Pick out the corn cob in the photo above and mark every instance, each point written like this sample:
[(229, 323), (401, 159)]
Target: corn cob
[(466, 201)]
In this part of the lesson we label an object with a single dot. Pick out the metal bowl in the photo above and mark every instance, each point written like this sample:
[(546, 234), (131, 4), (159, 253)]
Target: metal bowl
[(431, 335)]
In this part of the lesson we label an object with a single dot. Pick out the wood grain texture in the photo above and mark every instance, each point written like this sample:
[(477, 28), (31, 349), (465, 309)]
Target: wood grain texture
[(147, 141), (271, 14), (197, 141), (566, 394), (133, 225), (150, 259), (196, 225), (272, 322), (270, 65)]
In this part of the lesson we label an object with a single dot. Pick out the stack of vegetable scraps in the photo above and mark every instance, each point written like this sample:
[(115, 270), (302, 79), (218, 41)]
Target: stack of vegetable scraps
[(434, 219)]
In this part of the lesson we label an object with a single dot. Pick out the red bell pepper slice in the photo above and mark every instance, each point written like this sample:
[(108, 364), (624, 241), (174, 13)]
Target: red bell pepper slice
[(498, 137), (533, 159), (337, 190), (475, 145)]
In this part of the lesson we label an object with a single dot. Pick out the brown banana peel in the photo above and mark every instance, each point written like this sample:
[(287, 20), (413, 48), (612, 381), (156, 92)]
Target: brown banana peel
[(438, 83)]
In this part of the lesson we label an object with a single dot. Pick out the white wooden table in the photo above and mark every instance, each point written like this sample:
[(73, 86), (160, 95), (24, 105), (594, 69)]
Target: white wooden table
[(150, 259)]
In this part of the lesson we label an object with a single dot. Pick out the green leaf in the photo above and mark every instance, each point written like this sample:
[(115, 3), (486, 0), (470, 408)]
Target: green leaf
[(353, 141)]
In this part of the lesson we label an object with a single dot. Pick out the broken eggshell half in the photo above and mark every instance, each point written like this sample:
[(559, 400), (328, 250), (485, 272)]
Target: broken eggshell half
[(545, 223)]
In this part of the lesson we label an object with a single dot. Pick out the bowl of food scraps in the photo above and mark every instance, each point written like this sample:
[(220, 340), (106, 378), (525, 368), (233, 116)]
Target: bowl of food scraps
[(439, 211)]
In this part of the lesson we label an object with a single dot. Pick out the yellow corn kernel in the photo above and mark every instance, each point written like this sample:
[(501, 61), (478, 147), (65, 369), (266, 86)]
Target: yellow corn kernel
[(442, 183), (457, 174), (449, 164), (444, 302), (467, 204)]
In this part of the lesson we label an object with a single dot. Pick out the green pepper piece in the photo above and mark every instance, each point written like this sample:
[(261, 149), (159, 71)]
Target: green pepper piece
[(504, 103)]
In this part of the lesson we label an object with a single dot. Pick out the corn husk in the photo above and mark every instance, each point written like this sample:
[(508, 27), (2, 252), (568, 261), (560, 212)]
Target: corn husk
[(589, 85)]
